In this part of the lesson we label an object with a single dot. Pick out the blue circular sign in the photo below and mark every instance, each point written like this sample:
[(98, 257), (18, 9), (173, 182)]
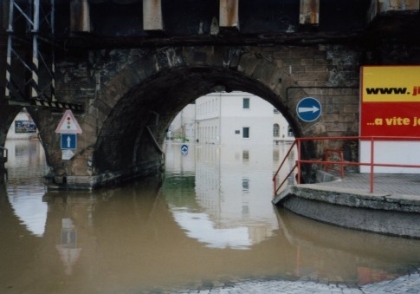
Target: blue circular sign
[(309, 109), (184, 149)]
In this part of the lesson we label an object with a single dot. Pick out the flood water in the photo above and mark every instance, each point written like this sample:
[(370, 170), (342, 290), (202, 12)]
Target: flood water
[(208, 222)]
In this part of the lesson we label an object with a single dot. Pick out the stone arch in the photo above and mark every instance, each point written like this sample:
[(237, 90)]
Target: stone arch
[(141, 96), (7, 115), (146, 110)]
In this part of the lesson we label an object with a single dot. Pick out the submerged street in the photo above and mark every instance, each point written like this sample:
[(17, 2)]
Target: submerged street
[(208, 225)]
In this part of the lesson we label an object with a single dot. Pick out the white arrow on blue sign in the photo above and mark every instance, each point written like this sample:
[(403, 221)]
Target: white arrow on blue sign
[(309, 109), (68, 141), (184, 149)]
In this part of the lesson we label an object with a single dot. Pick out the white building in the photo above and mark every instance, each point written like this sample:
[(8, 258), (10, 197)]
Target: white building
[(282, 132), (231, 119), (182, 127), (233, 192)]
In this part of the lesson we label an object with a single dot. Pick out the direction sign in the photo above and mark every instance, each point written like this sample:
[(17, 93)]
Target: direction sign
[(68, 141), (66, 154), (309, 109), (68, 124), (184, 149)]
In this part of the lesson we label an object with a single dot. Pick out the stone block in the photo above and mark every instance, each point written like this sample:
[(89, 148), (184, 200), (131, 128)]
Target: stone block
[(317, 68), (313, 76), (307, 62), (350, 108), (248, 64), (302, 52), (321, 61)]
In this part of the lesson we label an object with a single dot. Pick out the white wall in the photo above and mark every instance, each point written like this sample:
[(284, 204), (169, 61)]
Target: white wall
[(260, 131), (391, 152), (183, 123), (220, 119), (234, 118), (284, 135)]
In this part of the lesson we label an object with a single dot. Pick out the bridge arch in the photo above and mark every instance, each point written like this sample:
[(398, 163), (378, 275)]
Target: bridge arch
[(146, 111), (147, 94), (140, 91), (7, 115)]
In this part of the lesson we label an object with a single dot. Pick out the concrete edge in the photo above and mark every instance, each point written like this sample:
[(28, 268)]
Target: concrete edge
[(351, 198), (396, 215), (70, 182)]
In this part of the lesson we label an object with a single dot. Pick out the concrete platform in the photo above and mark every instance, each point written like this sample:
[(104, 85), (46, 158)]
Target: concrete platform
[(393, 208)]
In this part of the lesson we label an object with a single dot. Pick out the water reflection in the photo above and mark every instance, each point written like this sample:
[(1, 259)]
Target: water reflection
[(230, 207), (25, 167), (67, 249), (190, 231)]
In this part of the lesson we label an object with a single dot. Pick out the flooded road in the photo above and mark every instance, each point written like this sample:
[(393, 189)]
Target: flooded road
[(208, 222)]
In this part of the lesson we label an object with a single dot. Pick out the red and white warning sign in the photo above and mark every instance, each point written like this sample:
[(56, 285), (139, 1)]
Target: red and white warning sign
[(68, 124)]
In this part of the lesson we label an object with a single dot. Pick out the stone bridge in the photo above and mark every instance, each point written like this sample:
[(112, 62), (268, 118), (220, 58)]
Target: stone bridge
[(127, 67)]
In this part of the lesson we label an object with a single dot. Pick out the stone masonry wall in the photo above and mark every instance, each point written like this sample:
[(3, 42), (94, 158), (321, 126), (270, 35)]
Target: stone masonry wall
[(282, 75)]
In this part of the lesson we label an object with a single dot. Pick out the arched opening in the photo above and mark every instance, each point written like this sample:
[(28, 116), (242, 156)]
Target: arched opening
[(138, 123), (26, 163), (222, 146), (227, 118)]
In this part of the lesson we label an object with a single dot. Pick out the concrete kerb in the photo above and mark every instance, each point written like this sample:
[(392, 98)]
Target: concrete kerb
[(386, 213)]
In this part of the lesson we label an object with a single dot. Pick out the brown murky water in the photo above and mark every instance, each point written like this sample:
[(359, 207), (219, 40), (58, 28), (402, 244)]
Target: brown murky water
[(210, 222)]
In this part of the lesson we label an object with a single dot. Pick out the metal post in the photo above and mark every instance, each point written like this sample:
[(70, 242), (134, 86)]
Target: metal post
[(35, 28), (9, 50), (52, 21), (8, 67), (371, 164), (229, 13), (298, 161), (152, 15), (11, 6), (35, 51)]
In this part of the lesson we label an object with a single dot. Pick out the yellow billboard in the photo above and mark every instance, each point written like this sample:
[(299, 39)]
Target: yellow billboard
[(390, 97), (391, 84)]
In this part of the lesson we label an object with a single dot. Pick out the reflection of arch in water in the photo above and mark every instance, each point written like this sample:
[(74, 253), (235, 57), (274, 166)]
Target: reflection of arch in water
[(227, 204), (29, 208), (26, 165), (10, 222), (199, 226), (18, 245)]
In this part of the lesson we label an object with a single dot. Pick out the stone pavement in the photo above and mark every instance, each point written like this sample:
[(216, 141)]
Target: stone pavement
[(404, 284), (392, 184)]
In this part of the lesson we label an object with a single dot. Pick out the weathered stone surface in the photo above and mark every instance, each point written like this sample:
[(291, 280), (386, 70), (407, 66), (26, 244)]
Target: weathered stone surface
[(126, 90)]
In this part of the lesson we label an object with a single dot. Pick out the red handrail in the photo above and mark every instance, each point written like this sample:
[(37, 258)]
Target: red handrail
[(372, 164), (281, 165)]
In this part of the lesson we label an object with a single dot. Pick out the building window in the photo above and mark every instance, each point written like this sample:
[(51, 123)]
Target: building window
[(245, 103), (245, 209), (290, 132), (245, 155), (276, 130), (245, 185), (245, 132), (237, 132)]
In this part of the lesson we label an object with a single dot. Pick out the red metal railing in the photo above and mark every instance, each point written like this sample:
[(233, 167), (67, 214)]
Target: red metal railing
[(341, 162)]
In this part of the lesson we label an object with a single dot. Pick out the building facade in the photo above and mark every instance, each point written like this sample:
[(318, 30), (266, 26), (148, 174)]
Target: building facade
[(231, 119)]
